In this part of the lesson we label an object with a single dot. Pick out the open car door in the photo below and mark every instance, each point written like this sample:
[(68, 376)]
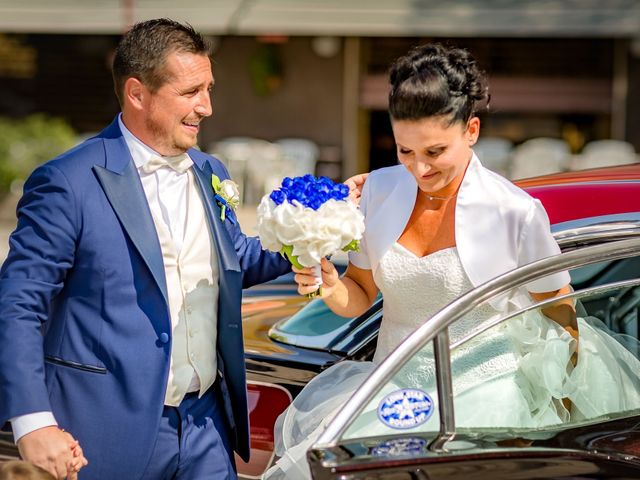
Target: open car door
[(435, 408)]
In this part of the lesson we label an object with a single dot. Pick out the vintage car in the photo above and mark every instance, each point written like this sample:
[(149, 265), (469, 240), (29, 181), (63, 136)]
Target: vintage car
[(289, 340)]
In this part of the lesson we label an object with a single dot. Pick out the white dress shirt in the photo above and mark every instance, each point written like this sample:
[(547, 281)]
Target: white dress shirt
[(168, 202)]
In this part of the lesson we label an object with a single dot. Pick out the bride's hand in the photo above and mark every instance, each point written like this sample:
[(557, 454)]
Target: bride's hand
[(307, 281)]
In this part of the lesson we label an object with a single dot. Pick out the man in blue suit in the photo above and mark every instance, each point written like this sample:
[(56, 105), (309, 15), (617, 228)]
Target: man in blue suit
[(120, 297)]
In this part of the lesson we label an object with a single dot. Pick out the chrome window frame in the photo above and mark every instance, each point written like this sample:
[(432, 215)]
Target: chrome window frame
[(598, 229), (435, 330)]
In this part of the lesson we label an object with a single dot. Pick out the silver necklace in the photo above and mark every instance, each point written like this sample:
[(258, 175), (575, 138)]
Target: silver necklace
[(436, 197)]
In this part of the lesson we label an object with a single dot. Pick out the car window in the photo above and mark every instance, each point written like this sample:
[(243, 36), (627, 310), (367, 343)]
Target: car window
[(515, 377), (602, 273)]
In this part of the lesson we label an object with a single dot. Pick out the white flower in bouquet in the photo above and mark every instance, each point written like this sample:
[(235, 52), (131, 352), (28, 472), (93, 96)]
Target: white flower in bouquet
[(309, 218)]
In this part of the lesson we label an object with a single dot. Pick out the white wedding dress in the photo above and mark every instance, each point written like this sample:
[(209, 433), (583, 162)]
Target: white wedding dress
[(513, 375)]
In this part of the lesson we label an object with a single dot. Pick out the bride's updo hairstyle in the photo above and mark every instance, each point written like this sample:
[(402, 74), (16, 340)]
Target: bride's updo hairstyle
[(436, 81)]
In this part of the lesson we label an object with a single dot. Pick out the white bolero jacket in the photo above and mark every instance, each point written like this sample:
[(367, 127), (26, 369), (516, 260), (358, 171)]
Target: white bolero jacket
[(498, 226)]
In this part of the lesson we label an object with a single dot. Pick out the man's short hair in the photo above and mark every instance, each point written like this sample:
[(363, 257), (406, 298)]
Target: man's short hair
[(142, 52)]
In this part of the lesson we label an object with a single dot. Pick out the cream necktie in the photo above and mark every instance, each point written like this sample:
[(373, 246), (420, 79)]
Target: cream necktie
[(180, 163)]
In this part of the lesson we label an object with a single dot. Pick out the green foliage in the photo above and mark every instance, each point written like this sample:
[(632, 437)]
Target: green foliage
[(28, 142), (265, 70), (287, 252), (352, 246)]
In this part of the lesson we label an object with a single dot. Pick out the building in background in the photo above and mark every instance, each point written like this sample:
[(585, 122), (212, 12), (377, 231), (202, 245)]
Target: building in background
[(316, 69)]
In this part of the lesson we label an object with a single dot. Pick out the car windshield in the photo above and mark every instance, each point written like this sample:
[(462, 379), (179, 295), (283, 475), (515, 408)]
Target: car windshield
[(315, 320), (515, 373)]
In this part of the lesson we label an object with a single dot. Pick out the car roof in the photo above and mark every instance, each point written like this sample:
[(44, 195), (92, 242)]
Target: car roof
[(570, 195), (607, 174)]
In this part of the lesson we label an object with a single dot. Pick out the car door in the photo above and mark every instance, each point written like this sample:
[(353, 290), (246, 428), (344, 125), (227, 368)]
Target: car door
[(434, 389)]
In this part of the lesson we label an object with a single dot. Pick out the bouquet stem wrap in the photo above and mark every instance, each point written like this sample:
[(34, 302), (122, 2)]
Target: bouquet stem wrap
[(317, 273)]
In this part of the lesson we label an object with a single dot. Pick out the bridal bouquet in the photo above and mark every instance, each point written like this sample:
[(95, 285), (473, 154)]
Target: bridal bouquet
[(308, 218)]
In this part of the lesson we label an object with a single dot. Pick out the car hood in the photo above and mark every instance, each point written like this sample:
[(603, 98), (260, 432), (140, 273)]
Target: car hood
[(259, 314)]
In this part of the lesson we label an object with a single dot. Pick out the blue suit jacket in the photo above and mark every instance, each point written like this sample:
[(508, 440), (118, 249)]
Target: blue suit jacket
[(83, 305)]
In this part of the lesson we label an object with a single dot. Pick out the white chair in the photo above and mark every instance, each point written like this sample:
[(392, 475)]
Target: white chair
[(540, 156), (264, 170), (603, 153), (300, 155), (296, 157), (251, 163), (234, 152), (494, 153)]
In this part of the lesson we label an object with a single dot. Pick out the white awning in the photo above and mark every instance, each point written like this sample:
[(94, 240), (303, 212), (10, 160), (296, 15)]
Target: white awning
[(454, 18)]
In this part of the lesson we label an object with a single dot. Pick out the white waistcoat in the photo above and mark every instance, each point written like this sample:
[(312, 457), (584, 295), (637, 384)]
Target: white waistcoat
[(498, 226), (192, 284)]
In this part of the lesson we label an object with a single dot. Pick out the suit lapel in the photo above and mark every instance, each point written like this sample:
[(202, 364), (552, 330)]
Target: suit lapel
[(226, 252), (121, 184)]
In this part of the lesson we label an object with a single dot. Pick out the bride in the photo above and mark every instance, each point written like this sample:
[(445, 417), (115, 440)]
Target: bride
[(437, 225)]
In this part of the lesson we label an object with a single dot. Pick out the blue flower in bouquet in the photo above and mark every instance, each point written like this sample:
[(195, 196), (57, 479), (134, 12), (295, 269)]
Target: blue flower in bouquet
[(309, 191), (307, 218), (278, 196)]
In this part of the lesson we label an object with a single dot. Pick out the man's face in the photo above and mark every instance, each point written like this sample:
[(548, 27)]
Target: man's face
[(173, 112)]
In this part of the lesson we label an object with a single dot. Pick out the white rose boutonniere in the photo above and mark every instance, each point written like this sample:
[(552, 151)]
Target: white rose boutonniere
[(227, 195)]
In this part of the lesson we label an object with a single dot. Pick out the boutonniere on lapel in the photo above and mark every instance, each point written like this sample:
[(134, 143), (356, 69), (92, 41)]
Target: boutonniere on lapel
[(227, 196)]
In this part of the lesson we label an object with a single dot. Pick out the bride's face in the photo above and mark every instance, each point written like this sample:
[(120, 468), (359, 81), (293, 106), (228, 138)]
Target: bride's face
[(434, 152)]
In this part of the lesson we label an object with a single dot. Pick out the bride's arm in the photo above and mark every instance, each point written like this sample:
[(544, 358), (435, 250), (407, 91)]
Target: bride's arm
[(562, 312), (348, 296)]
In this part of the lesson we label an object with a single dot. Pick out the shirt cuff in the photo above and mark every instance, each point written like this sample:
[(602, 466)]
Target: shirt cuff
[(31, 422)]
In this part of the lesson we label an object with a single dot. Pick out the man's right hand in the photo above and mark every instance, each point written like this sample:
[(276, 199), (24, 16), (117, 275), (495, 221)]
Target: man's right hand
[(54, 450)]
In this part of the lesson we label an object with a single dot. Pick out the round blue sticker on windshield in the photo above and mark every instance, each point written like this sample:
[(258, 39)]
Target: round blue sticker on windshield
[(405, 408), (399, 447)]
